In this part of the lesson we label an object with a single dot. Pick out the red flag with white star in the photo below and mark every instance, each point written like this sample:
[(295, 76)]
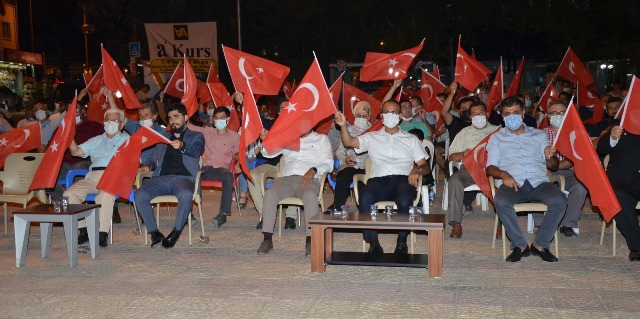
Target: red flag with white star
[(630, 110), (125, 162), (310, 104), (251, 128), (476, 164), (46, 175), (388, 66), (175, 85), (19, 140), (94, 86), (469, 72), (264, 76), (115, 81)]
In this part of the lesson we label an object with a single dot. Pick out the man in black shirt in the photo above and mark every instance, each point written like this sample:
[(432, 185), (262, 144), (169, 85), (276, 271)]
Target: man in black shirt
[(175, 167)]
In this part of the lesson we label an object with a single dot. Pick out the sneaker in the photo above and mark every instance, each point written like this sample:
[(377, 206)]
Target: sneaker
[(265, 247)]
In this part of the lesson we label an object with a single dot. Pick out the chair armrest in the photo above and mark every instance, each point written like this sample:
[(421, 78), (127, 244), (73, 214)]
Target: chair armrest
[(72, 174), (492, 184), (557, 179), (418, 191)]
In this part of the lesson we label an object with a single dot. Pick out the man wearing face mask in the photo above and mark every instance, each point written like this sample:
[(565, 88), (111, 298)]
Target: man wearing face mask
[(350, 162), (85, 129), (174, 167), (101, 149), (464, 143), (518, 158), (407, 122), (221, 146), (28, 118), (393, 176), (577, 191), (47, 126)]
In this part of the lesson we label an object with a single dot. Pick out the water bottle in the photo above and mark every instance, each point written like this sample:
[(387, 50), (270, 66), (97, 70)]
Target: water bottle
[(432, 197)]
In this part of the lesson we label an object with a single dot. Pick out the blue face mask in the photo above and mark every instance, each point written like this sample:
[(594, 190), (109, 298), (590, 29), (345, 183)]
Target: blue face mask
[(221, 124), (513, 121)]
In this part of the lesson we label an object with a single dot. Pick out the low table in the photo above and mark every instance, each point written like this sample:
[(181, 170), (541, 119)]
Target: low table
[(322, 241), (45, 215)]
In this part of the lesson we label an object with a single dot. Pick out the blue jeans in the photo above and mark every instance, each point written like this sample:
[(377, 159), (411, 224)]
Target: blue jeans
[(179, 186), (387, 188), (546, 193)]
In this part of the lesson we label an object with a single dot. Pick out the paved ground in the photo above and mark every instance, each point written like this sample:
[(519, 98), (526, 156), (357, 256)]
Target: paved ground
[(226, 279)]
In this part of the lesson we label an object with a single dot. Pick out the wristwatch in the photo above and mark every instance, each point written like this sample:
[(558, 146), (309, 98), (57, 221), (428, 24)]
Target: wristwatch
[(420, 169)]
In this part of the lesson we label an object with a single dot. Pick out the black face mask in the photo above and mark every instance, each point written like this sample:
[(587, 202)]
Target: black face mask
[(465, 116)]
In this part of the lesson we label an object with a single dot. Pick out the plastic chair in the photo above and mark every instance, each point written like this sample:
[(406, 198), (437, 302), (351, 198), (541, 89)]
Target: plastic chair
[(218, 184), (524, 207), (19, 169), (172, 199), (480, 197)]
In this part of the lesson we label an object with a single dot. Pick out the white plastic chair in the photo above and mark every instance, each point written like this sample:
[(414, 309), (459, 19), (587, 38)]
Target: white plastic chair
[(16, 178), (480, 197)]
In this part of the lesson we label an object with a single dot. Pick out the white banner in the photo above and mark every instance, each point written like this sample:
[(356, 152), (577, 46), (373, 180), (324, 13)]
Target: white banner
[(169, 42)]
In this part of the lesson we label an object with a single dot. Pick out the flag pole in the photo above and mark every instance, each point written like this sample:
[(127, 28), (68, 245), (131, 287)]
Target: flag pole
[(624, 113), (566, 114)]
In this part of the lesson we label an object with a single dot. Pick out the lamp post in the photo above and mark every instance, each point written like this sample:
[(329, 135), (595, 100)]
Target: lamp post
[(86, 29)]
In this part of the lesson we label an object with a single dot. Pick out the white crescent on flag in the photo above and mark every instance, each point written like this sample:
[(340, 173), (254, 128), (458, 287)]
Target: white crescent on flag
[(27, 132), (409, 54), (242, 70), (246, 121), (572, 68), (428, 87), (460, 57), (478, 148), (177, 85), (315, 93), (572, 139)]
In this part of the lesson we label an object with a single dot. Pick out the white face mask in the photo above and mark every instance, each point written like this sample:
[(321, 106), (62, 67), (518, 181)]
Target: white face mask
[(111, 128), (390, 120), (147, 123), (221, 124), (555, 120), (568, 90), (479, 121), (41, 115), (78, 120), (210, 111), (407, 118), (361, 122), (414, 111)]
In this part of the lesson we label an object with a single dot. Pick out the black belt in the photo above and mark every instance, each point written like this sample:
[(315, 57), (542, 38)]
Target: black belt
[(98, 168)]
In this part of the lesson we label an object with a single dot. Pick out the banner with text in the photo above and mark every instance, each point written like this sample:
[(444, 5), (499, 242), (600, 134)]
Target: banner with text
[(169, 42)]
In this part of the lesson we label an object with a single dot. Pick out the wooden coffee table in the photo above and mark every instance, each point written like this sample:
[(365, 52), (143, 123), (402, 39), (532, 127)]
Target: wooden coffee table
[(322, 253), (45, 215)]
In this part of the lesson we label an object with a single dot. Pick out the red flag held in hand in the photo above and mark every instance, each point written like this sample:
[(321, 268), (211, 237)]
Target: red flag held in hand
[(476, 164), (514, 87), (95, 85), (310, 104), (175, 85), (549, 94), (252, 126), (429, 90), (572, 140), (264, 76), (572, 69), (19, 140), (630, 110), (587, 98), (123, 166), (469, 72), (47, 173), (496, 93), (383, 66), (334, 91), (190, 88), (115, 81)]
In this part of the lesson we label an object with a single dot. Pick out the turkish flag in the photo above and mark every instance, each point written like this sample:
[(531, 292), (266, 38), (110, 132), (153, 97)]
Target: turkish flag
[(631, 109), (264, 76), (514, 87), (571, 68), (123, 166), (476, 164), (115, 81), (252, 126), (234, 121), (213, 76), (429, 90), (573, 141), (87, 78), (309, 104), (190, 88), (469, 72), (549, 94), (436, 72), (220, 94), (94, 86), (383, 66), (202, 92), (351, 96), (175, 85), (46, 175), (334, 91), (496, 94), (485, 70), (19, 140), (287, 89), (587, 98)]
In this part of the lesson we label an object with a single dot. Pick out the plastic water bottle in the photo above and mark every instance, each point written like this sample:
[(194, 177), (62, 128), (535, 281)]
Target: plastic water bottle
[(432, 197)]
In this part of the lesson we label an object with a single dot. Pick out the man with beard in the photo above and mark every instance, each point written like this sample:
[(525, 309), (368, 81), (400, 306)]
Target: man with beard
[(174, 169)]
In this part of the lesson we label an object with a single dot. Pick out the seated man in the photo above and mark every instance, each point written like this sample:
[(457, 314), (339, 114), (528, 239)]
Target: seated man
[(350, 162), (301, 179), (220, 147), (464, 143), (101, 149), (393, 176), (174, 169), (520, 156)]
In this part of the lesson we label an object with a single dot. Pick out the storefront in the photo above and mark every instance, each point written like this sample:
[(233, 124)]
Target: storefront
[(17, 73)]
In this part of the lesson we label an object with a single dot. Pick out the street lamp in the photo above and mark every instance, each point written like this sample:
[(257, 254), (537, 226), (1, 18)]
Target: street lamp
[(86, 29)]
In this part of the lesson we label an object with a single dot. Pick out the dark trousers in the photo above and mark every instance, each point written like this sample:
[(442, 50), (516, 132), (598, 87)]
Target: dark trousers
[(387, 188), (222, 175), (179, 186), (627, 219), (343, 183)]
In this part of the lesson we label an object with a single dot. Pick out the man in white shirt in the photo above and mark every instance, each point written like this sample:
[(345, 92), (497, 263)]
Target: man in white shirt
[(464, 143), (393, 175), (301, 178)]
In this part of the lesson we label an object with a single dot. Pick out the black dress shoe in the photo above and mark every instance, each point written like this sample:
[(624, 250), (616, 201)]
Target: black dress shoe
[(171, 239), (219, 220), (518, 253), (567, 231), (374, 247), (634, 256), (259, 226), (544, 253), (156, 237), (83, 236), (290, 223), (401, 248), (103, 239)]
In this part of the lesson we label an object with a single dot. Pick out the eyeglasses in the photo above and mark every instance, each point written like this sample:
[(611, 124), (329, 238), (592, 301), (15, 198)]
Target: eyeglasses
[(557, 113), (112, 121)]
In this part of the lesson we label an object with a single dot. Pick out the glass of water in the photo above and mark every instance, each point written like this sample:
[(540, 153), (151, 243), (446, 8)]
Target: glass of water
[(388, 209), (57, 205), (374, 210), (344, 211)]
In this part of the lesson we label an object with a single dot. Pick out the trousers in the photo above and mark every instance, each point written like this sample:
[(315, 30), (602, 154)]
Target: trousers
[(176, 185), (78, 191), (290, 186)]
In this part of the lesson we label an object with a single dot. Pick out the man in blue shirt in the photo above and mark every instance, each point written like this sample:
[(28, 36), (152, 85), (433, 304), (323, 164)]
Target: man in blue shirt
[(101, 149), (519, 156)]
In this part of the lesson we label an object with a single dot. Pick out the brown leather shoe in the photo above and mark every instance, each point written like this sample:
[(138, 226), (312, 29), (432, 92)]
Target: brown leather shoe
[(456, 232)]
